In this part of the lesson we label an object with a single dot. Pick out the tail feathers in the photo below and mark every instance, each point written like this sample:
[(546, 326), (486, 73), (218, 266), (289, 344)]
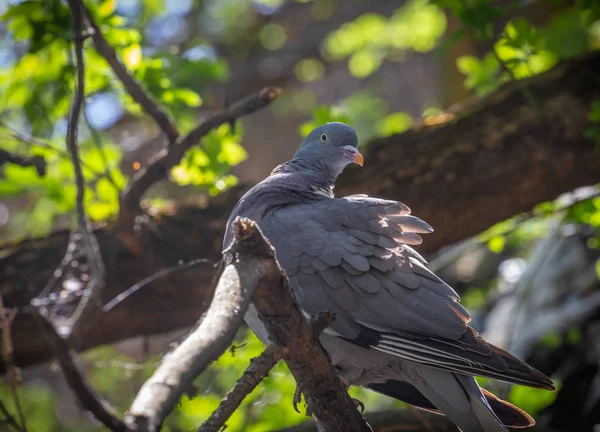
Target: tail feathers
[(510, 415), (459, 397)]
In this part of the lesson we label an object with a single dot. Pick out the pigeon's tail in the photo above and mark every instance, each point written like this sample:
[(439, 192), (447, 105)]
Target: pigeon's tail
[(459, 397)]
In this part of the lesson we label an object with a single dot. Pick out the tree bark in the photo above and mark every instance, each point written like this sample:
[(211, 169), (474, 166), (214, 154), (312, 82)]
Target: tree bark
[(492, 159)]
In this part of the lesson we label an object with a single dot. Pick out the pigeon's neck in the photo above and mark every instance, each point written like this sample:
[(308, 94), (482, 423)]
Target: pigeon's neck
[(281, 188), (318, 178)]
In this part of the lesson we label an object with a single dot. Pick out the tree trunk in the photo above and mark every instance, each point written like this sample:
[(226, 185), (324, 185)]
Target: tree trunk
[(494, 158)]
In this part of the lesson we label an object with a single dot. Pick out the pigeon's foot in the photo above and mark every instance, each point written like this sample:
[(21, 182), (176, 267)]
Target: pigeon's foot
[(298, 398), (358, 404)]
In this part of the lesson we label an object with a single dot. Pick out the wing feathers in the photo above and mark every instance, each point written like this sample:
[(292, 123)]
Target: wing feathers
[(352, 256)]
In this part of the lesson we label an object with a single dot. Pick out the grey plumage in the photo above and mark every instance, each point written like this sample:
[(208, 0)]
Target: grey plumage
[(399, 329)]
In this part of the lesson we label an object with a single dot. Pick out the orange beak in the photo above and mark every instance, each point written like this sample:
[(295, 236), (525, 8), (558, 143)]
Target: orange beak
[(358, 159), (353, 154)]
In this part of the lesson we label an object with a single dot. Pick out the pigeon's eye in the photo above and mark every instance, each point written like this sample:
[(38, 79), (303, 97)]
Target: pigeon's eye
[(323, 138)]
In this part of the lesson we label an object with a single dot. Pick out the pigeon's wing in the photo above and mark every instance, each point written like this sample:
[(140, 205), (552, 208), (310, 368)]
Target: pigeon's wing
[(352, 256)]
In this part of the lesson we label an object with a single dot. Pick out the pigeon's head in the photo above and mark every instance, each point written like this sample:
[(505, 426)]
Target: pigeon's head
[(331, 146)]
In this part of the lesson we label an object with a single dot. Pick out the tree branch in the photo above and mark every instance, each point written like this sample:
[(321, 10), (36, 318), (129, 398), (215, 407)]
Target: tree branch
[(98, 407), (168, 158), (8, 418), (132, 87), (253, 375), (259, 368), (90, 244), (252, 265), (36, 161), (323, 391)]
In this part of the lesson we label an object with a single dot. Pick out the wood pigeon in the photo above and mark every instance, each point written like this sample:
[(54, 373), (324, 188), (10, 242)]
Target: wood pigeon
[(399, 329)]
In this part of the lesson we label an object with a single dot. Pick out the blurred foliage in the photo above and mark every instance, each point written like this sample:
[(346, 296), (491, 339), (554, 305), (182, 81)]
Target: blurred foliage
[(367, 41), (521, 50), (36, 90), (368, 114), (171, 48), (208, 165), (117, 378)]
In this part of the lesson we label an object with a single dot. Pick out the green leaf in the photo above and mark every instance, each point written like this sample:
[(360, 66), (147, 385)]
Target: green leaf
[(232, 153), (496, 244), (188, 97), (364, 62), (468, 64), (132, 56), (394, 123), (106, 8), (24, 176), (9, 188), (482, 75), (105, 190), (101, 210)]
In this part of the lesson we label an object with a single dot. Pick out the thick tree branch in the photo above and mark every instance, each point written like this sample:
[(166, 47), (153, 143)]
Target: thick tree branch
[(252, 265), (36, 161), (495, 159), (90, 244), (132, 87), (323, 391), (166, 159), (86, 396)]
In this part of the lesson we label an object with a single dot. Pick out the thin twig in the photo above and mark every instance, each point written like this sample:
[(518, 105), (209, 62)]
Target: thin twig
[(131, 290), (214, 333), (98, 407), (68, 257), (9, 419), (14, 375), (90, 244), (39, 142), (35, 161), (131, 85), (168, 158), (254, 374)]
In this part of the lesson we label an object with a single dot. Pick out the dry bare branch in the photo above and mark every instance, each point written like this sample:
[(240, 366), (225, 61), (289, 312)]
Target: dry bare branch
[(252, 265), (98, 407), (254, 374), (166, 159)]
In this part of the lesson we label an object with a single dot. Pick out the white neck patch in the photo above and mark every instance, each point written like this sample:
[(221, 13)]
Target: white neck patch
[(325, 191)]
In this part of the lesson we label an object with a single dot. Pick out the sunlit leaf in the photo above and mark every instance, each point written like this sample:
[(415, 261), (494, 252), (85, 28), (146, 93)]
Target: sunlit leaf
[(132, 56), (106, 8), (496, 244), (394, 123), (9, 188)]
